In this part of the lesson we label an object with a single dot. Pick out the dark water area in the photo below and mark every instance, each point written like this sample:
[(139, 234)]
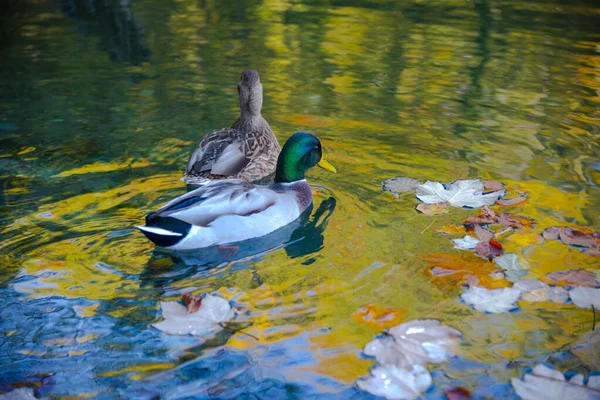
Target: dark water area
[(101, 103)]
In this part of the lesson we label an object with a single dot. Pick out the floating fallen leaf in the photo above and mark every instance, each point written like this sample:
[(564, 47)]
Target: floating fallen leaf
[(585, 297), (488, 216), (492, 185), (468, 193), (577, 238), (575, 277), (378, 317), (587, 348), (551, 233), (492, 301), (535, 290), (511, 262), (458, 393), (416, 342), (452, 229), (484, 235), (213, 311), (489, 250), (400, 185), (396, 383), (545, 383), (433, 209), (594, 252), (464, 265), (19, 394), (511, 202), (466, 243), (515, 221)]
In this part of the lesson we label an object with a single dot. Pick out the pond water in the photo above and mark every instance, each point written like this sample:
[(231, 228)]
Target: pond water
[(102, 101)]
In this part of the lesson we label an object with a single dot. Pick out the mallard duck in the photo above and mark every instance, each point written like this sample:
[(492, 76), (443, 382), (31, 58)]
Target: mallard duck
[(248, 150), (233, 210)]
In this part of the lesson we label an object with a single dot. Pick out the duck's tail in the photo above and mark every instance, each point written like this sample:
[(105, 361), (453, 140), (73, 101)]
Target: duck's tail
[(164, 231)]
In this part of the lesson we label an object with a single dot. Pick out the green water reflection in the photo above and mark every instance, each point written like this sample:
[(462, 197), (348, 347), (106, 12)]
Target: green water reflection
[(101, 102)]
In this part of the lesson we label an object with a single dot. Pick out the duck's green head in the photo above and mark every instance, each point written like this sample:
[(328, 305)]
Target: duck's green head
[(301, 152)]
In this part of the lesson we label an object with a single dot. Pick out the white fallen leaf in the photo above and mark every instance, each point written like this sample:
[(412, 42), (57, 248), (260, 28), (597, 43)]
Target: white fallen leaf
[(548, 384), (558, 294), (511, 262), (536, 290), (492, 301), (396, 383), (532, 290), (213, 311), (467, 193), (19, 394), (400, 185), (587, 348), (585, 297), (466, 243), (416, 342)]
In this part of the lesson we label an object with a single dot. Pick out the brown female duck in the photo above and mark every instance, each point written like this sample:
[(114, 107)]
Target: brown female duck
[(248, 150)]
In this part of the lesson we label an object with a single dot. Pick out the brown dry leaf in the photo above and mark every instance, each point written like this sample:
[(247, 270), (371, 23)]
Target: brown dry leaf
[(551, 233), (511, 202), (433, 209), (378, 317), (464, 265), (489, 250), (492, 185), (575, 277), (458, 393), (484, 235), (578, 238), (192, 303), (515, 221), (452, 230), (594, 252), (486, 216)]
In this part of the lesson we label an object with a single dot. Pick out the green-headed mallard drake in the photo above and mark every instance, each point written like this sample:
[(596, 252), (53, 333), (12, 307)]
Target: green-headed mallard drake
[(233, 210), (248, 150)]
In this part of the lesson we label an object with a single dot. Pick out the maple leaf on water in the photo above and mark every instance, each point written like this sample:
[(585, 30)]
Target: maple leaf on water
[(400, 185), (397, 383), (433, 209), (536, 290), (403, 352), (415, 342), (466, 243), (546, 383), (211, 313), (489, 249), (511, 262), (488, 217), (467, 193), (574, 277), (584, 297), (575, 237), (19, 394), (492, 185), (491, 300)]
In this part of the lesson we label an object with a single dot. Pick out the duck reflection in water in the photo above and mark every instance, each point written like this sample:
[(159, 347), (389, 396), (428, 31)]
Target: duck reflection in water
[(301, 238)]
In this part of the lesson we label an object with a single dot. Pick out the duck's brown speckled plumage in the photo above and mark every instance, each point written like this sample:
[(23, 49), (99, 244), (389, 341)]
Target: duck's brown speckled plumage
[(248, 150)]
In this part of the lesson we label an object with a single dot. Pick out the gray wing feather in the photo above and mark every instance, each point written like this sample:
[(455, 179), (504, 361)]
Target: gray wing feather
[(222, 148)]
